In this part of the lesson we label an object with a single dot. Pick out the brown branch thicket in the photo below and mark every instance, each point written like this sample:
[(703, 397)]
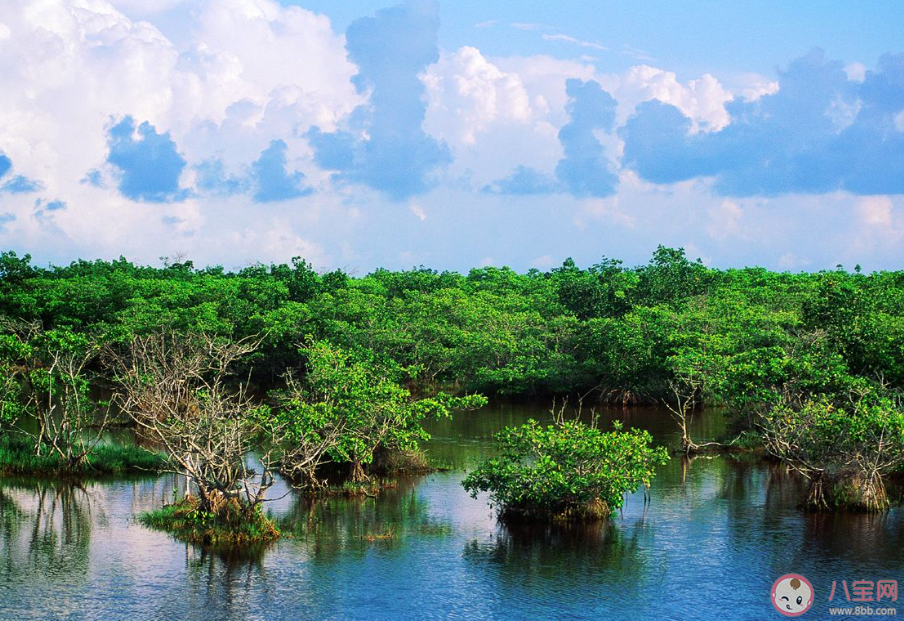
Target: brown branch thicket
[(180, 390)]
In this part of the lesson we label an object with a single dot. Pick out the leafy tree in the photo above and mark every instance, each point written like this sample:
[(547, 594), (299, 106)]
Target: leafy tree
[(47, 378), (345, 408), (846, 445), (565, 470)]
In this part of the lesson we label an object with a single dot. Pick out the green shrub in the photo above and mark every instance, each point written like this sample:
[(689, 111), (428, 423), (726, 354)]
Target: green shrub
[(567, 470)]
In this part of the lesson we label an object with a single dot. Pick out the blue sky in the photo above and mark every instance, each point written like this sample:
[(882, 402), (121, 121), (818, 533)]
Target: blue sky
[(453, 134), (697, 37)]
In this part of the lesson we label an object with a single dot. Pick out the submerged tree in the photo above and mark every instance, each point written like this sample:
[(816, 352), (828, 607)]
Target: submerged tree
[(687, 386), (180, 391), (566, 470), (845, 446), (346, 407)]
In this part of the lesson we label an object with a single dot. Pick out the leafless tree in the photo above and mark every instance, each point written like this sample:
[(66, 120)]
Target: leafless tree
[(688, 386), (181, 391)]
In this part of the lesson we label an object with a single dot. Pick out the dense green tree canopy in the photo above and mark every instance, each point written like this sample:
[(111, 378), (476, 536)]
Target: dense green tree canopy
[(774, 347), (565, 470)]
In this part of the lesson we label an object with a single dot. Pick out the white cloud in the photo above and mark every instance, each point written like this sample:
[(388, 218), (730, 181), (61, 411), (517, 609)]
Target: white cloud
[(702, 100), (269, 48), (145, 7), (758, 89), (467, 93), (876, 211), (247, 72), (855, 71), (881, 227), (725, 221), (544, 78), (604, 210), (418, 211), (496, 114), (575, 41), (899, 121)]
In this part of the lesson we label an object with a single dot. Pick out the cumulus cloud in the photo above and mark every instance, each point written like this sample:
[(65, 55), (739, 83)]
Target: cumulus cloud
[(145, 7), (392, 154), (820, 132), (756, 89), (70, 65), (236, 75), (467, 94), (702, 100), (585, 170)]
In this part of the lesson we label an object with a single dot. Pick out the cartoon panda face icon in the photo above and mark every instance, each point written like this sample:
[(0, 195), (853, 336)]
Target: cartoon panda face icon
[(792, 595)]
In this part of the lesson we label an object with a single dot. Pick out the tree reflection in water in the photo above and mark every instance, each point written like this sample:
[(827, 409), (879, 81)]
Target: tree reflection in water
[(330, 527), (546, 562), (53, 524)]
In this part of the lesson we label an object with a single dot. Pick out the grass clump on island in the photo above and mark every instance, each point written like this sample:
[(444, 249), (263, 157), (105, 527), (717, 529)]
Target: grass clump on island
[(227, 522), (18, 456), (568, 470)]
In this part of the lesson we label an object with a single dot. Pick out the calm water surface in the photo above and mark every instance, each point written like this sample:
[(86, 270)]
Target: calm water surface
[(718, 532)]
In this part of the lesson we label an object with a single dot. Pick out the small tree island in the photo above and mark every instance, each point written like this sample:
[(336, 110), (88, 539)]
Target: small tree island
[(568, 470)]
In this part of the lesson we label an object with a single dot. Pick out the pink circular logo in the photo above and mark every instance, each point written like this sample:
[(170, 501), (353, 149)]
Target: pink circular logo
[(792, 595)]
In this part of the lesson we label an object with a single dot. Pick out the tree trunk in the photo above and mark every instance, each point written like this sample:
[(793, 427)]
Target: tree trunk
[(356, 472), (204, 497), (687, 444), (816, 494)]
